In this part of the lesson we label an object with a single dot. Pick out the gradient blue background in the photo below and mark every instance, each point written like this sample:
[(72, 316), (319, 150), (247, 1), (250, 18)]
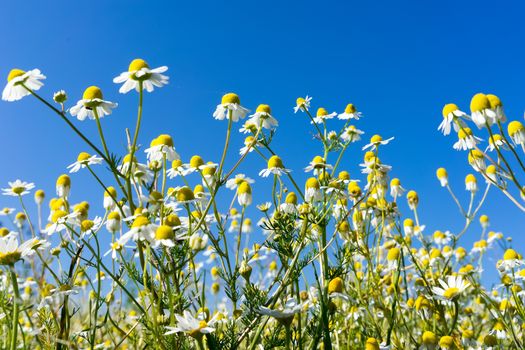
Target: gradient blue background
[(398, 62)]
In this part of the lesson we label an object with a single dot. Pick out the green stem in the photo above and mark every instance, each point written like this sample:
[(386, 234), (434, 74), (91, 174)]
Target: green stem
[(14, 326)]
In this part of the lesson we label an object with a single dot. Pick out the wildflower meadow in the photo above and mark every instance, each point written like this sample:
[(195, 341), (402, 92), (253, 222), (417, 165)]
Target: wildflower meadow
[(188, 251)]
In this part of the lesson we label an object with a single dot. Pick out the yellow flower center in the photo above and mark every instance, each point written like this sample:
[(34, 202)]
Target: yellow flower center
[(335, 285), (450, 293), (163, 139), (350, 108), (262, 108), (137, 64), (494, 101), (172, 220), (321, 112), (14, 73), (164, 232), (57, 215), (83, 156), (18, 189), (9, 258), (231, 98), (64, 180), (114, 215), (291, 198), (86, 225), (244, 188), (376, 139), (92, 92), (312, 183), (275, 162), (479, 102), (300, 101), (464, 133), (176, 163), (140, 221), (429, 338), (510, 254), (111, 191), (393, 254), (449, 108), (185, 194), (514, 127), (344, 175), (446, 342), (196, 161)]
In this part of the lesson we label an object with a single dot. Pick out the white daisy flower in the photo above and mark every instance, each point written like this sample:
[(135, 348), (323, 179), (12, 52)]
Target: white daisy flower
[(318, 165), (18, 188), (244, 194), (234, 182), (194, 327), (350, 113), (230, 107), (161, 147), (451, 289), (249, 145), (375, 141), (451, 116), (466, 140), (177, 169), (275, 166), (286, 314), (139, 72), (481, 111), (19, 82), (11, 251), (511, 260), (302, 104), (496, 141), (312, 191), (351, 134), (263, 116), (322, 115), (92, 105), (516, 132), (6, 211), (84, 159), (141, 229)]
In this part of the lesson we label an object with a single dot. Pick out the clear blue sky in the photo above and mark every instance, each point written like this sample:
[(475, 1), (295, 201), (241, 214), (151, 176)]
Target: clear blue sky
[(398, 62)]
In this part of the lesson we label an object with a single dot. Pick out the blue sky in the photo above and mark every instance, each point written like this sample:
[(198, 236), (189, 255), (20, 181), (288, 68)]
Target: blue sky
[(398, 62)]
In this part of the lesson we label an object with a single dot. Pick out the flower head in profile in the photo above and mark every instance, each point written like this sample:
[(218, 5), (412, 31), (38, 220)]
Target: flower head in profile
[(466, 140), (160, 147), (92, 105), (351, 134), (195, 327), (21, 83), (230, 108), (275, 166), (11, 251), (451, 289), (350, 113), (139, 74), (84, 159), (234, 182), (263, 118), (376, 141), (481, 110), (286, 314), (451, 118), (302, 104), (18, 188), (322, 115)]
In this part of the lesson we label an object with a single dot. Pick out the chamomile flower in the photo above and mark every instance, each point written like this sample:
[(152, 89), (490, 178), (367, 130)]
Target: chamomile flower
[(20, 83), (481, 111), (84, 159), (113, 222), (312, 191), (92, 105), (496, 141), (249, 145), (230, 107), (351, 134), (451, 289), (244, 194), (511, 260), (139, 74), (192, 326), (11, 251), (476, 159), (516, 132), (317, 165), (141, 229), (263, 117), (18, 188), (161, 147), (63, 186), (177, 169), (322, 115), (350, 113), (466, 140), (497, 108), (6, 211), (451, 117), (275, 166), (234, 182), (375, 141), (290, 204), (286, 314), (412, 199), (396, 190), (442, 176), (165, 235), (302, 104), (471, 183)]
